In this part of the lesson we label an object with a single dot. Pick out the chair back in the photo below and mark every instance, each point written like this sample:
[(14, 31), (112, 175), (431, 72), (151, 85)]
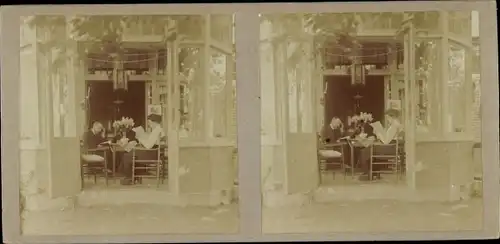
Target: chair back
[(319, 142), (385, 150), (149, 166), (155, 149)]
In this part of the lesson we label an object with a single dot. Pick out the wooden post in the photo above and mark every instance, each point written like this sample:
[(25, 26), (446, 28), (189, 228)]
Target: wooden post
[(469, 88), (228, 93), (207, 129), (442, 88)]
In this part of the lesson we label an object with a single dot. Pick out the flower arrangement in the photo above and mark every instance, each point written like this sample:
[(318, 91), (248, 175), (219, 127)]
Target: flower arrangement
[(124, 124), (360, 119)]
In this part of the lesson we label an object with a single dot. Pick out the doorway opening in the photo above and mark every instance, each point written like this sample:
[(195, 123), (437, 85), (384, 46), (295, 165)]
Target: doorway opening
[(342, 100), (107, 105)]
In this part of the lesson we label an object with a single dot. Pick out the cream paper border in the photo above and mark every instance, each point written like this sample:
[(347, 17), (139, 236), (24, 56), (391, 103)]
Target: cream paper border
[(247, 32)]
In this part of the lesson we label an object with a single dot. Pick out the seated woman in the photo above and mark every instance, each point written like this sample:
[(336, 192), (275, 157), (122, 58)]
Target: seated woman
[(365, 154), (146, 140)]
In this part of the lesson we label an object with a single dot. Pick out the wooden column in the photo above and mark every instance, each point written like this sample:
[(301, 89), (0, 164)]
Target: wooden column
[(168, 76), (393, 69), (229, 98), (76, 71), (409, 103), (207, 110), (320, 88), (444, 107), (153, 72), (469, 88)]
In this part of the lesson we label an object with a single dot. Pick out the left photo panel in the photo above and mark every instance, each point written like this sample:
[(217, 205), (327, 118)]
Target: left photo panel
[(128, 125)]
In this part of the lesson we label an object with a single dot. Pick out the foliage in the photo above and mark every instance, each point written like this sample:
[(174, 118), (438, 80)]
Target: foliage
[(103, 34), (324, 29), (99, 32), (338, 29)]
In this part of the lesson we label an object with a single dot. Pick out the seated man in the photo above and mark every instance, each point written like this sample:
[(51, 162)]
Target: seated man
[(334, 131), (93, 139), (95, 136), (146, 140)]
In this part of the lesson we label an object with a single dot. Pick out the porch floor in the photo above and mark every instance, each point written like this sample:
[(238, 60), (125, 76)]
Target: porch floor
[(132, 219), (114, 183), (373, 215), (336, 178), (347, 216)]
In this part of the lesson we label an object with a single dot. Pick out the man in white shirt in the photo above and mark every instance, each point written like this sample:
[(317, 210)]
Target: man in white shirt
[(146, 140)]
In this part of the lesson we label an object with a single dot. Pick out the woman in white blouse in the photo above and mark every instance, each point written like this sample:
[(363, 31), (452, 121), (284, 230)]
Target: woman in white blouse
[(146, 140)]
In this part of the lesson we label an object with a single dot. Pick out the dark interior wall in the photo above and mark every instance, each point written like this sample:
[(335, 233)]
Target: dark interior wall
[(373, 97), (101, 103), (338, 99), (340, 102), (134, 105)]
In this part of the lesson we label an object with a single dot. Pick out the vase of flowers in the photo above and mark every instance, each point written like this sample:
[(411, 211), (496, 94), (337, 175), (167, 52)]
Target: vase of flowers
[(358, 122), (123, 125)]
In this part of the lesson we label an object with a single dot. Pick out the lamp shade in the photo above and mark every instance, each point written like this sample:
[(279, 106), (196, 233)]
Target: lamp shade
[(358, 73), (120, 79)]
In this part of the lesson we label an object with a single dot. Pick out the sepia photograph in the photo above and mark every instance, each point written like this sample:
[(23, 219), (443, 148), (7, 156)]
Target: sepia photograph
[(128, 124), (250, 122), (371, 122)]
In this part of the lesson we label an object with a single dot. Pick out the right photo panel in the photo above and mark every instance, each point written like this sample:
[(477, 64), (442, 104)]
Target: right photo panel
[(370, 122)]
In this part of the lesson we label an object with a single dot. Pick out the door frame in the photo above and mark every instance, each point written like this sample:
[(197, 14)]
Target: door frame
[(324, 92), (87, 112), (407, 35)]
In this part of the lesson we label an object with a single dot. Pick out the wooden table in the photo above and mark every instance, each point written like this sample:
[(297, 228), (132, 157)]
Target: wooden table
[(115, 147)]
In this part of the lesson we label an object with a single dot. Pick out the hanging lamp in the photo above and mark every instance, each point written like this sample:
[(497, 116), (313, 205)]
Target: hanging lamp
[(118, 76), (358, 73)]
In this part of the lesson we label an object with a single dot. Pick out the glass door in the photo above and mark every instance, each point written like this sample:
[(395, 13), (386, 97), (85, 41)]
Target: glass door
[(300, 135), (66, 89)]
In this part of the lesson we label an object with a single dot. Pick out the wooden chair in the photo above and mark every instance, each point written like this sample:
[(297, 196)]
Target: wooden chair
[(325, 162), (164, 164), (150, 167), (389, 159), (401, 159), (93, 168)]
